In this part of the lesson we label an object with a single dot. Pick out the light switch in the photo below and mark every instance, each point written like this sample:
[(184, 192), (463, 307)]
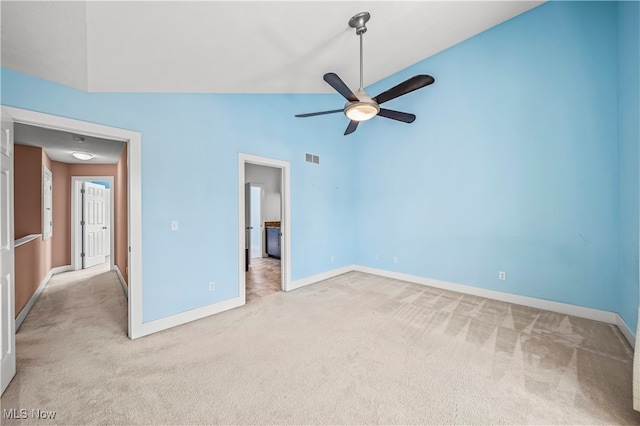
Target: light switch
[(174, 225)]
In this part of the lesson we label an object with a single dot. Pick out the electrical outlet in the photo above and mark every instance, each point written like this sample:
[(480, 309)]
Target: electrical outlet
[(502, 275), (212, 286), (395, 259)]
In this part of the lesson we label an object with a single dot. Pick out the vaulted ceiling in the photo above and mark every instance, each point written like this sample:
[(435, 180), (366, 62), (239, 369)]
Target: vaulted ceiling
[(231, 47)]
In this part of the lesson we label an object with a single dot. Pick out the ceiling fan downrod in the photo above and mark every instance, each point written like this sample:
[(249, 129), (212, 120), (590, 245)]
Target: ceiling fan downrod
[(359, 22)]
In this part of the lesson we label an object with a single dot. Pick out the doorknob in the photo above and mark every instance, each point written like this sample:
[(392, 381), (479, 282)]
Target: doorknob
[(104, 227), (249, 227)]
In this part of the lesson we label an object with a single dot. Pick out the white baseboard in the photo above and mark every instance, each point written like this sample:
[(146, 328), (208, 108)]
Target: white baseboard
[(125, 288), (320, 277), (547, 305), (27, 308), (188, 316), (626, 331), (61, 269), (205, 311)]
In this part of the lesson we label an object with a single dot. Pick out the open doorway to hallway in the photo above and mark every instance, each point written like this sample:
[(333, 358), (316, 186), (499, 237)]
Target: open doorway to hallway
[(127, 242), (44, 159), (263, 236)]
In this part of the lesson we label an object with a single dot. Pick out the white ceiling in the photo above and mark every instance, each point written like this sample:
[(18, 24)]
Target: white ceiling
[(231, 47), (59, 145)]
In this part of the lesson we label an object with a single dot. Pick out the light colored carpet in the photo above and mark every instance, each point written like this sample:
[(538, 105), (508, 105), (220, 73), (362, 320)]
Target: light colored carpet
[(355, 349)]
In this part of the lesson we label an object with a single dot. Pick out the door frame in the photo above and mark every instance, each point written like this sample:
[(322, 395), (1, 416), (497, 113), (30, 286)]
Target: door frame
[(285, 206), (134, 193), (76, 217)]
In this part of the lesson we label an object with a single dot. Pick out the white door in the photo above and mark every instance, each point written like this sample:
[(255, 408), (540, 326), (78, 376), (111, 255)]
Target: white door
[(107, 222), (247, 225), (256, 222), (7, 318), (94, 225)]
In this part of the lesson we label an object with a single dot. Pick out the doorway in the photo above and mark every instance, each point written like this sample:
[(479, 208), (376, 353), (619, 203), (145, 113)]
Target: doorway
[(133, 217), (263, 213), (88, 251), (264, 240)]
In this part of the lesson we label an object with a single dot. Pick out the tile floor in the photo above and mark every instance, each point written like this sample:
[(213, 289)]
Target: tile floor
[(263, 278)]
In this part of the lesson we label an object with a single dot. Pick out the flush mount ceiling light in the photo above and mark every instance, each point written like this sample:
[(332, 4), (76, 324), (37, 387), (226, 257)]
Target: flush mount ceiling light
[(84, 156), (360, 106)]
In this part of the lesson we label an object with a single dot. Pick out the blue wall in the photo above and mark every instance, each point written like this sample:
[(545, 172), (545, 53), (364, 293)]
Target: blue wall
[(629, 156), (190, 146), (512, 165)]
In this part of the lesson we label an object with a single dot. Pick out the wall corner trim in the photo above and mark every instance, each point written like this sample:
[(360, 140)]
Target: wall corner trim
[(122, 281), (27, 308)]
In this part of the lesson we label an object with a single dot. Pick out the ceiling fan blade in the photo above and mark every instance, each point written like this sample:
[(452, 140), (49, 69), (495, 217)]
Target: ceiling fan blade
[(334, 81), (311, 114), (414, 83), (353, 125), (397, 115)]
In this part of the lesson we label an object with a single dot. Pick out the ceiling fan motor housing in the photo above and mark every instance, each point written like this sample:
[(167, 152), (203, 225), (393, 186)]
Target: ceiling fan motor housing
[(363, 109)]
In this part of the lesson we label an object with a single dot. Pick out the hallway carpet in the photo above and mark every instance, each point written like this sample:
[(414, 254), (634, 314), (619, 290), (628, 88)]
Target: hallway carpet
[(355, 349)]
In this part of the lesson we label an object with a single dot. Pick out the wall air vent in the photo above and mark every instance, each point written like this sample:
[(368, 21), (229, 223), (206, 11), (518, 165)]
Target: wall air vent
[(311, 158)]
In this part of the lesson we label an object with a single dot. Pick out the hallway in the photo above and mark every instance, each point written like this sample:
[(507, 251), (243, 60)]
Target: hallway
[(90, 293)]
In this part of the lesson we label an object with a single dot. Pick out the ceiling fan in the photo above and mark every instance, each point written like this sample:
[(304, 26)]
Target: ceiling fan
[(360, 106)]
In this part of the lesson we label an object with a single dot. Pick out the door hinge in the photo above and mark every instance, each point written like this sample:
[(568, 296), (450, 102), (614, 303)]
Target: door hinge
[(82, 222), (82, 191), (81, 254)]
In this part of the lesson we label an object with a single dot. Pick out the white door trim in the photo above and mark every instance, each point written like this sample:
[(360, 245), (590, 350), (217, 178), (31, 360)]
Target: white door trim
[(285, 200), (76, 216), (134, 175)]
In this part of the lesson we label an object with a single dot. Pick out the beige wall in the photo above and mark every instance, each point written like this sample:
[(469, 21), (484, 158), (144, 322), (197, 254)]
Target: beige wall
[(121, 207), (27, 186), (35, 259), (61, 214)]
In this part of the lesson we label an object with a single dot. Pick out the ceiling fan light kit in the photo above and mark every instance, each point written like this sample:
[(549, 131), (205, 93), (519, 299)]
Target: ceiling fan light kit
[(360, 106)]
